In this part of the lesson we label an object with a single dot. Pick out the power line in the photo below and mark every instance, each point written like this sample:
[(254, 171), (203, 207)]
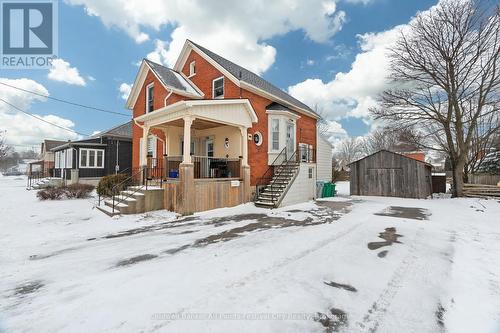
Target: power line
[(65, 101), (41, 119)]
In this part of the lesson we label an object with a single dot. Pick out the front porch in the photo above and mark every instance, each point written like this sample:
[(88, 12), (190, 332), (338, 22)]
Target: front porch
[(205, 153)]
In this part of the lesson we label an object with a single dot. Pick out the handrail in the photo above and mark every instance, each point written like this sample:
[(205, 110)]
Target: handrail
[(273, 199), (270, 169), (114, 188)]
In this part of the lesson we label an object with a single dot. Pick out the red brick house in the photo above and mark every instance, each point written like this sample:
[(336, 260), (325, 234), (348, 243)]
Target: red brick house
[(219, 135)]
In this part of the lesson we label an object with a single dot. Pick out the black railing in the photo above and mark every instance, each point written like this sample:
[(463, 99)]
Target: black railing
[(216, 167), (136, 178), (172, 164), (269, 174), (273, 185), (34, 178)]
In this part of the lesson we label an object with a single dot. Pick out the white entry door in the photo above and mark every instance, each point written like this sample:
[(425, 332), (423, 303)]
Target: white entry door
[(290, 139)]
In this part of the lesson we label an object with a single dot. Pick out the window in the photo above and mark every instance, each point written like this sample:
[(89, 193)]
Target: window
[(83, 158), (69, 158), (310, 173), (218, 87), (192, 68), (149, 98), (275, 134), (91, 158)]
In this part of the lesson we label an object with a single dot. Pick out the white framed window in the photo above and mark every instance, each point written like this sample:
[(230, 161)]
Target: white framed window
[(275, 134), (150, 97), (91, 158), (192, 68), (218, 87)]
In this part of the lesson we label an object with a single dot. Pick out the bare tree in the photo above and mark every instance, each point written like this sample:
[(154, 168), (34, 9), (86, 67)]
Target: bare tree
[(446, 78), (350, 150), (4, 148), (322, 122)]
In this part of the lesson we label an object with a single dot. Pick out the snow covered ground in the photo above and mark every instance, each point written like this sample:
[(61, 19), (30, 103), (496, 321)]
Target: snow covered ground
[(360, 264)]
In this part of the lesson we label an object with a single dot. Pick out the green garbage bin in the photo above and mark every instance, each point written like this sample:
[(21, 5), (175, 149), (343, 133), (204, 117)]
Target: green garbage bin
[(327, 190), (333, 190)]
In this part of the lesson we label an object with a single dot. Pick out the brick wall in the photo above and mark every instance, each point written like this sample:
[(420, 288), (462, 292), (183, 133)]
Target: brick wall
[(205, 74)]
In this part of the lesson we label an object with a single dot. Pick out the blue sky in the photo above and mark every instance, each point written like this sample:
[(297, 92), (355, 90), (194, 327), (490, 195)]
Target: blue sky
[(105, 54)]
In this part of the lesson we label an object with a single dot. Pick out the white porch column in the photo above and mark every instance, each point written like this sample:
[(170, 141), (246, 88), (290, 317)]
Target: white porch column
[(144, 149), (188, 121), (244, 146)]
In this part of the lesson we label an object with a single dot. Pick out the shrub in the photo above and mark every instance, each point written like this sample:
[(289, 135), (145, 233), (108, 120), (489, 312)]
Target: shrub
[(74, 191), (107, 183), (78, 191), (50, 193)]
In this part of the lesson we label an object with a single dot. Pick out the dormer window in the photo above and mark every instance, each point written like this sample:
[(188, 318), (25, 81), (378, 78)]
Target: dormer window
[(192, 68), (150, 98), (218, 87)]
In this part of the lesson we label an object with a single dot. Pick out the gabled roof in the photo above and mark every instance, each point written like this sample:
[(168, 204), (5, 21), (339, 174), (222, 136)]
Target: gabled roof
[(169, 78), (123, 131), (388, 151), (241, 74), (49, 144)]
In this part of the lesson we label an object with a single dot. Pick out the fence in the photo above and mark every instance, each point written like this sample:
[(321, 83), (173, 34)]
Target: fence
[(484, 178)]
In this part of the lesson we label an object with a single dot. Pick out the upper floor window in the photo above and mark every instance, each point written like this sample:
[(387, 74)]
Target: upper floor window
[(149, 98), (218, 87), (192, 68)]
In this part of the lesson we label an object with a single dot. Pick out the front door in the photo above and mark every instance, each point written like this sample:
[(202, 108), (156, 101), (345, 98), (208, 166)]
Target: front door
[(290, 139)]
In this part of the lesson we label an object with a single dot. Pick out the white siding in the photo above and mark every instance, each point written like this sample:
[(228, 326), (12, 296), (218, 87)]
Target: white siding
[(303, 188), (324, 159)]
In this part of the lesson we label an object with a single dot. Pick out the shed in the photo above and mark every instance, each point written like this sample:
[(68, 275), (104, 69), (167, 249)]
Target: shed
[(390, 174)]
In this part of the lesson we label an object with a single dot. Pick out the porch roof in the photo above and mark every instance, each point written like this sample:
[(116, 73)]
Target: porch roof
[(233, 112)]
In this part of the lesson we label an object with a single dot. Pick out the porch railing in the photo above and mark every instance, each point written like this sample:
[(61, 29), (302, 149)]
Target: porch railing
[(216, 167)]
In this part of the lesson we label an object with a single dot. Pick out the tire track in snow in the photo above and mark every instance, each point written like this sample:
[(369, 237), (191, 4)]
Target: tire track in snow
[(374, 315), (259, 274)]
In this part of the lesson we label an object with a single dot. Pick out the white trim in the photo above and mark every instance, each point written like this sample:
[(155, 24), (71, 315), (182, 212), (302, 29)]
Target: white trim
[(195, 107), (95, 166), (152, 84), (192, 68), (271, 139), (213, 88), (186, 49)]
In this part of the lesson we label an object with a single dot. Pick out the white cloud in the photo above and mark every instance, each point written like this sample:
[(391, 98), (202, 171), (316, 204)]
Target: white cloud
[(125, 89), (22, 129), (352, 93), (90, 78), (310, 62), (362, 2), (235, 29), (62, 71)]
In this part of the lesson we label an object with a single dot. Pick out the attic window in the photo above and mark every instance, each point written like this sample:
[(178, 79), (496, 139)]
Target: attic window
[(149, 98), (192, 68), (218, 87)]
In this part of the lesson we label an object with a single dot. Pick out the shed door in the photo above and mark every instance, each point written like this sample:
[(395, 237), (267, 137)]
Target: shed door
[(385, 182)]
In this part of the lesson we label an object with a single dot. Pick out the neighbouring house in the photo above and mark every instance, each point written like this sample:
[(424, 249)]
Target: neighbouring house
[(88, 160), (45, 165), (218, 135), (390, 174)]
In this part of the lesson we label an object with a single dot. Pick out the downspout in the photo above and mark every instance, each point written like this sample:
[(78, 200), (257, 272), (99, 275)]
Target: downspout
[(169, 94)]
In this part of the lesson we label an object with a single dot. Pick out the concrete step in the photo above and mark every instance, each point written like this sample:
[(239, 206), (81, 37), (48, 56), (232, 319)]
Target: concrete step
[(109, 203), (108, 210), (265, 204)]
